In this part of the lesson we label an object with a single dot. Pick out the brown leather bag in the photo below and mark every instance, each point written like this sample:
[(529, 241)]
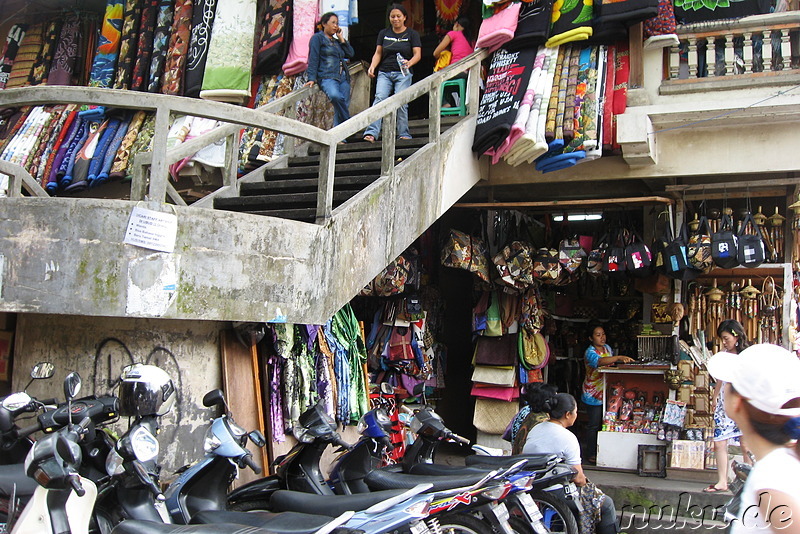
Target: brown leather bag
[(496, 350)]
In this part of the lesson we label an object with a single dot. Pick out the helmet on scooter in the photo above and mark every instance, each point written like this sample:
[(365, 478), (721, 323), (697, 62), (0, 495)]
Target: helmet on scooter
[(145, 390)]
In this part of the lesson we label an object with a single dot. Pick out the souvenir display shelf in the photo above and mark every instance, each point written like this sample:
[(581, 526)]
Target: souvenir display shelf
[(616, 449)]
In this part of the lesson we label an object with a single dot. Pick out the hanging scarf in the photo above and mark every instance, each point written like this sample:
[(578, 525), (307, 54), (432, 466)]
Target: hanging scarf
[(275, 37), (284, 341), (13, 41), (304, 20), (63, 66), (28, 51), (129, 38), (111, 154), (230, 54), (160, 43), (60, 131), (144, 49), (202, 21), (178, 46), (105, 59), (447, 12), (305, 375), (274, 372), (41, 66), (326, 379)]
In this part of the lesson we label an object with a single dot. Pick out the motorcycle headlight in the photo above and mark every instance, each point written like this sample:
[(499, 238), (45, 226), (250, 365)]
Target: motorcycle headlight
[(524, 483), (210, 441), (144, 444), (303, 435), (114, 463), (415, 425), (16, 401), (420, 509), (361, 426)]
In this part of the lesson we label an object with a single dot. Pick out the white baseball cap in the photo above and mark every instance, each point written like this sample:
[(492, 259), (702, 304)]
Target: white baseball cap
[(768, 376)]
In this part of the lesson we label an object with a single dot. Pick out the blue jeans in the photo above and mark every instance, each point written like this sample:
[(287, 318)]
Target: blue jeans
[(339, 94), (390, 83)]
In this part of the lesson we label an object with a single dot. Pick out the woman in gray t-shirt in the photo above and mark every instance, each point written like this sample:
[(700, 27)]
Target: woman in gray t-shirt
[(552, 437)]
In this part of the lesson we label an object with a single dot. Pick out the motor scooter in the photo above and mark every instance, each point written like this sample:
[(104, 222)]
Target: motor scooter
[(13, 449)]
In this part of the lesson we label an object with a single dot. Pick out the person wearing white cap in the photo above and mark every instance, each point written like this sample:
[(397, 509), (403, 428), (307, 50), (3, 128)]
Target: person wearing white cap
[(763, 397)]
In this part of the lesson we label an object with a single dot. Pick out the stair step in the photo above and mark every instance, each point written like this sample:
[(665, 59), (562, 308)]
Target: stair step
[(304, 184), (262, 202), (300, 214), (350, 157), (358, 146), (346, 169)]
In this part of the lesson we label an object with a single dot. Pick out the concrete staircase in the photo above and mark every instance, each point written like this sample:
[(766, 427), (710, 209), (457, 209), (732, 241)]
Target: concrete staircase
[(291, 192)]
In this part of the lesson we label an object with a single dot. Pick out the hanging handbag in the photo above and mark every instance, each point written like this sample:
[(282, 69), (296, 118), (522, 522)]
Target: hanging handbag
[(698, 249), (494, 320), (751, 252), (637, 256), (496, 350), (676, 261), (498, 376), (463, 251), (533, 350), (597, 256), (546, 265), (570, 254), (725, 245), (400, 345), (515, 265), (492, 416), (614, 262), (495, 392)]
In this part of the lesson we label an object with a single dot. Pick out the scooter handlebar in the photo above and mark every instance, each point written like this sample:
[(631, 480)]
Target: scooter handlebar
[(145, 479), (28, 430), (459, 439), (75, 482), (249, 462), (342, 443)]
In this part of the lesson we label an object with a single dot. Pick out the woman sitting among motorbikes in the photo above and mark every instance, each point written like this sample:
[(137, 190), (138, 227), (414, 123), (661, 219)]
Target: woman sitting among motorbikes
[(552, 437)]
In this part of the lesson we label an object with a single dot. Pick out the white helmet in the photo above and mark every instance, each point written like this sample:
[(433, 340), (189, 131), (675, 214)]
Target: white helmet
[(145, 390)]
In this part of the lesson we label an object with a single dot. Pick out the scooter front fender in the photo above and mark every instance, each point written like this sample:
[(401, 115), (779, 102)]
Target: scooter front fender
[(257, 490), (35, 518)]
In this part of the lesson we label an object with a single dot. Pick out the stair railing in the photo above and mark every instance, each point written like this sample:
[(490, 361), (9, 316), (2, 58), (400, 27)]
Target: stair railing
[(155, 185)]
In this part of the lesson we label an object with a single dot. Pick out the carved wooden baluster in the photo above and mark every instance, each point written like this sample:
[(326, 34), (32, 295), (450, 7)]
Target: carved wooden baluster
[(776, 38), (702, 59), (794, 46), (719, 55), (738, 54), (758, 51)]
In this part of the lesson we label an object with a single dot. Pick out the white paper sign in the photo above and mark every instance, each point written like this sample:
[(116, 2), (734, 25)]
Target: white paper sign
[(152, 229)]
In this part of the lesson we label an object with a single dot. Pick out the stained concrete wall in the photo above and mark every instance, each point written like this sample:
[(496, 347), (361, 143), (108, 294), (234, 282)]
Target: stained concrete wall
[(72, 343)]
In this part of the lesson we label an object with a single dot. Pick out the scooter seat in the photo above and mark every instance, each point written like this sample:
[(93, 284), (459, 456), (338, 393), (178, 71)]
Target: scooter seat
[(384, 480), (15, 474), (439, 470), (282, 523), (330, 505), (536, 462), (131, 526)]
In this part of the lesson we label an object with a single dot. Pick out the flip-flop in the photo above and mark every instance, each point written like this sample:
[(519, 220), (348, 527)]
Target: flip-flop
[(369, 139), (713, 489)]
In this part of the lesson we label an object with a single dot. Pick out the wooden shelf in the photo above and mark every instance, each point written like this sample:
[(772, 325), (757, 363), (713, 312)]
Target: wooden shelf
[(775, 270)]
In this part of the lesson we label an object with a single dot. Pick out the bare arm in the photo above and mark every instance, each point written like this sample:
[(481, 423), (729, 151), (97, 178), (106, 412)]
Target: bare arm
[(442, 46), (780, 511), (608, 360), (376, 60), (580, 477), (416, 57)]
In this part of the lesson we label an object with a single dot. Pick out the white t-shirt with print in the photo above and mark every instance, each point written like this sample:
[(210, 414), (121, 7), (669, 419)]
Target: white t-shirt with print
[(778, 470)]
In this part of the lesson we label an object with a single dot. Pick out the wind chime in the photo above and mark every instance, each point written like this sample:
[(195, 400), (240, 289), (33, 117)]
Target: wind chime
[(796, 229), (761, 222), (776, 222), (769, 331), (749, 304), (715, 310)]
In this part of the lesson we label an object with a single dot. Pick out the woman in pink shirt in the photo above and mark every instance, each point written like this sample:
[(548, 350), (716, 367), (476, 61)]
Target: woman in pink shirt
[(459, 41)]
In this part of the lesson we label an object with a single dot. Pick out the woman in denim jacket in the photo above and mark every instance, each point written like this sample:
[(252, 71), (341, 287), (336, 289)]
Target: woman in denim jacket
[(327, 65)]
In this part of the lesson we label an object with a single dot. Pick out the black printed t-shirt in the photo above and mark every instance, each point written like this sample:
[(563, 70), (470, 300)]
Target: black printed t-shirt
[(393, 43)]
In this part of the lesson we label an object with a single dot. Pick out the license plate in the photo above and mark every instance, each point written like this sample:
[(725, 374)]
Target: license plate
[(419, 527), (571, 489), (500, 511), (530, 507)]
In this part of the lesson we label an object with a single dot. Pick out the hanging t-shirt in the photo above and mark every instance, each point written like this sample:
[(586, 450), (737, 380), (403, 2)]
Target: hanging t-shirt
[(394, 43), (459, 46), (690, 11)]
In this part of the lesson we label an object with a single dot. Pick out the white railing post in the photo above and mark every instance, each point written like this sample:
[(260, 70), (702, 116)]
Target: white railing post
[(434, 113), (327, 166), (388, 138), (159, 170)]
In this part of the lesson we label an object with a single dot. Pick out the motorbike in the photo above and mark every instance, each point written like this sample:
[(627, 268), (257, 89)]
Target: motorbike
[(204, 485), (741, 471), (13, 449), (63, 500)]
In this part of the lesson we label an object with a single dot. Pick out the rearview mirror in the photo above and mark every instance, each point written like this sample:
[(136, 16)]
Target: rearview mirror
[(257, 438), (213, 398), (72, 385), (42, 370)]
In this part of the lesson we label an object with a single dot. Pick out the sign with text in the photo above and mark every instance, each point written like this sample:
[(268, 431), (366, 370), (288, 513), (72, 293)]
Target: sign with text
[(152, 229)]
